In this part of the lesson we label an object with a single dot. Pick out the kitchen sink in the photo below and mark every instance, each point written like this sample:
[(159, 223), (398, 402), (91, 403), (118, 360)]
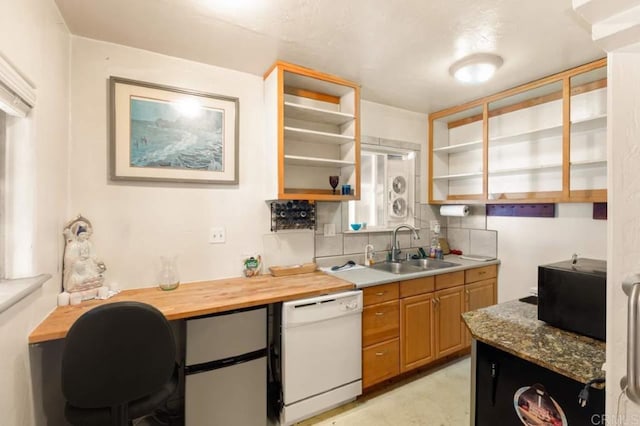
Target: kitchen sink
[(413, 265), (426, 264), (396, 267)]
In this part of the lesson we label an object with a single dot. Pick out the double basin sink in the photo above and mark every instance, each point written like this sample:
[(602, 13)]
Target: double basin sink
[(413, 265)]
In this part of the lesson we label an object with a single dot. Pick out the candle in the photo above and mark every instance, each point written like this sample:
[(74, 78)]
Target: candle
[(103, 292), (63, 299), (75, 298)]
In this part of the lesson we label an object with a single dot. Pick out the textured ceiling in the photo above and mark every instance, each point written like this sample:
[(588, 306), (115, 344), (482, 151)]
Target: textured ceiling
[(399, 51)]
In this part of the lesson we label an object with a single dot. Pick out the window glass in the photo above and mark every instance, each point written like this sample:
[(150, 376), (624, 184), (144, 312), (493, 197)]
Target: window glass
[(387, 189)]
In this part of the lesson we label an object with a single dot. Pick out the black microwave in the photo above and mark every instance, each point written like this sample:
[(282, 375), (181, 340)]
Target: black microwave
[(572, 295)]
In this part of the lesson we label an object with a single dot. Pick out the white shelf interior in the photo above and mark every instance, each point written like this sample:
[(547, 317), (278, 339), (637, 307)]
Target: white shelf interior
[(318, 115), (297, 160), (313, 136), (516, 170), (528, 136), (452, 149), (458, 176)]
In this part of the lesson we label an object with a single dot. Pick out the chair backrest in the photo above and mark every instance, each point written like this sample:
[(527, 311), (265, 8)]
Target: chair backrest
[(117, 353)]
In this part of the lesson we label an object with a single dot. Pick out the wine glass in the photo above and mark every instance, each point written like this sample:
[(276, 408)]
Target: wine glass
[(333, 181)]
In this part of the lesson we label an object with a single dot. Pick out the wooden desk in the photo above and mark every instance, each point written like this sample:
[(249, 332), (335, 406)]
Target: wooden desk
[(201, 298)]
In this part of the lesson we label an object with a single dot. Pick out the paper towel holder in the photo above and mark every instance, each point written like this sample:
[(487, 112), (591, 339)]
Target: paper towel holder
[(454, 210)]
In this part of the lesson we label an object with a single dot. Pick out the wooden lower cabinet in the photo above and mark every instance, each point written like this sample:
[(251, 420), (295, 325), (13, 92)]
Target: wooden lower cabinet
[(449, 332), (416, 331), (410, 324), (380, 362), (481, 290), (380, 334), (380, 322)]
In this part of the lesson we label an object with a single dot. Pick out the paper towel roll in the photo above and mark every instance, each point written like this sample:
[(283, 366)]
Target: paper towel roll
[(459, 210)]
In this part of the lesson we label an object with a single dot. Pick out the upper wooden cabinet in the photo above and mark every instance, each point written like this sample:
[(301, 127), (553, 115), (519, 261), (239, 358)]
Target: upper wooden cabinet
[(544, 141), (313, 132)]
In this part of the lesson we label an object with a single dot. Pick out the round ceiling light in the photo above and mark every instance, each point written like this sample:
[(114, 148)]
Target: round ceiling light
[(476, 68)]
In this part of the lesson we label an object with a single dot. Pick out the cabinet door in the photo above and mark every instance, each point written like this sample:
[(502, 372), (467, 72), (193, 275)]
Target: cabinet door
[(380, 322), (479, 295), (416, 331), (379, 362), (449, 305)]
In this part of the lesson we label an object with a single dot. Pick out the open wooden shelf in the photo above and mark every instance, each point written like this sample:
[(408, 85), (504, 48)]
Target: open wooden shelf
[(313, 136), (297, 160), (539, 129), (316, 115)]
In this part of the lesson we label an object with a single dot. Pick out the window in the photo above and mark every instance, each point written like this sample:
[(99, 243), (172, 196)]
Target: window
[(387, 185), (17, 97)]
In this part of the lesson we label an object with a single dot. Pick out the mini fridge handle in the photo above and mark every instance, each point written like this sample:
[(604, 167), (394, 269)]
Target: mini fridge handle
[(631, 287)]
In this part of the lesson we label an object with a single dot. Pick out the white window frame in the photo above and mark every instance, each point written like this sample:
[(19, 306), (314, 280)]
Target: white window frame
[(388, 148), (17, 98)]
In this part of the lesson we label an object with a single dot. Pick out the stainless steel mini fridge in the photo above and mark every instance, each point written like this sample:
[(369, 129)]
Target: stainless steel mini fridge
[(226, 369)]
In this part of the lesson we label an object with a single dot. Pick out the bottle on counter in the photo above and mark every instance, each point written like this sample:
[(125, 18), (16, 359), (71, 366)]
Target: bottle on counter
[(439, 254)]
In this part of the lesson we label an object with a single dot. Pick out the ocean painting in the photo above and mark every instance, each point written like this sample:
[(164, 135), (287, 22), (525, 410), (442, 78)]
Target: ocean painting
[(176, 135)]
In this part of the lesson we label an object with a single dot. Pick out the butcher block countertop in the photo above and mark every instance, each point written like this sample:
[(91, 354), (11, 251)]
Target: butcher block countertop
[(514, 327), (200, 298)]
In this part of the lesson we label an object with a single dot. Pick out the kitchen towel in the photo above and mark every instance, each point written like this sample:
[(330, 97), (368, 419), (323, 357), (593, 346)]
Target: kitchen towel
[(457, 210)]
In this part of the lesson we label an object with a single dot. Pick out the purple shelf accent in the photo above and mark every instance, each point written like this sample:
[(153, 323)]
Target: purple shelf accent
[(600, 211), (522, 210)]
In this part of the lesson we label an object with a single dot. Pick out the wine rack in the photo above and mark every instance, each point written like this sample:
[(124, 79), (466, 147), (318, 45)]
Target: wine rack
[(293, 214)]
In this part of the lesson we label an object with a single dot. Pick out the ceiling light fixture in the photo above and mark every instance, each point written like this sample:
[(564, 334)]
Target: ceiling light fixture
[(476, 68)]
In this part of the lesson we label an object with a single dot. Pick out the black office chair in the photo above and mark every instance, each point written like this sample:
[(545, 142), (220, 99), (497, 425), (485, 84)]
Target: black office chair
[(118, 364)]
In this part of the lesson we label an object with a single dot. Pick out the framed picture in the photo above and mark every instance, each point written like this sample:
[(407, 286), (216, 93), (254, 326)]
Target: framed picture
[(162, 133)]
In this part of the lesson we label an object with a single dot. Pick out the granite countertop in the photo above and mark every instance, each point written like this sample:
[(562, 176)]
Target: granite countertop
[(514, 328), (366, 277)]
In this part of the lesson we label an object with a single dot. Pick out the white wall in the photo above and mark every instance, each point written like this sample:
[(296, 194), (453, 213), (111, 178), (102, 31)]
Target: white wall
[(135, 223), (524, 243), (388, 122), (36, 41)]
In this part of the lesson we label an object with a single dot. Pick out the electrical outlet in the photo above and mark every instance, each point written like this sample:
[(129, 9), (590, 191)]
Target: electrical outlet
[(433, 224), (216, 235)]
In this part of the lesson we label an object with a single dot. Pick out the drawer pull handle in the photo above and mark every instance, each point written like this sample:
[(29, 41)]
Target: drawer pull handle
[(379, 314), (482, 272), (381, 353), (381, 293)]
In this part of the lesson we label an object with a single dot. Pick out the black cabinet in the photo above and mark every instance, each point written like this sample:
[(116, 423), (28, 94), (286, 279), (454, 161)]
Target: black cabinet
[(512, 391)]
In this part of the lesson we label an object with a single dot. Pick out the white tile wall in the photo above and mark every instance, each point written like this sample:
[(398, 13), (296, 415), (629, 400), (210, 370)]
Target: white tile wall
[(483, 243), (329, 246), (355, 243)]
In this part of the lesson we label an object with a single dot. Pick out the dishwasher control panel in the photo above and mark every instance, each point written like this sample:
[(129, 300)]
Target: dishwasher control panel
[(298, 312)]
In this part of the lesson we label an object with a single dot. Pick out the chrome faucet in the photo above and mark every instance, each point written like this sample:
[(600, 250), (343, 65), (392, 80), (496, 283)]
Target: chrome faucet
[(395, 250)]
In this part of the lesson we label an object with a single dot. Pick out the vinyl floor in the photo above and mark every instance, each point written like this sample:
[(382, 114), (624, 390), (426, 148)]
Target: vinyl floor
[(439, 397)]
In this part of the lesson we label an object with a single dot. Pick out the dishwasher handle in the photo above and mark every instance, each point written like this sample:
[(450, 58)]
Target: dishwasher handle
[(631, 382)]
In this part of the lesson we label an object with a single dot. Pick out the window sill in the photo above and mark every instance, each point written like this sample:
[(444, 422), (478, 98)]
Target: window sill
[(12, 291)]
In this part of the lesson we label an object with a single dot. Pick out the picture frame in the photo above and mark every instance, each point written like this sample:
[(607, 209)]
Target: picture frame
[(169, 134)]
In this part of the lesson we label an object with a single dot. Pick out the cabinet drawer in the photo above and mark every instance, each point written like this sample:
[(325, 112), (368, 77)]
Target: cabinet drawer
[(449, 280), (380, 322), (379, 293), (477, 274), (380, 362), (417, 286)]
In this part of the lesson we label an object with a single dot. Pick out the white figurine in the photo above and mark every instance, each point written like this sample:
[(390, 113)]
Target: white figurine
[(81, 270)]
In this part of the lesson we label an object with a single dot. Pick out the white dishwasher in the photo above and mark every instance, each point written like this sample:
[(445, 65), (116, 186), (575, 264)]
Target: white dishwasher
[(321, 354)]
